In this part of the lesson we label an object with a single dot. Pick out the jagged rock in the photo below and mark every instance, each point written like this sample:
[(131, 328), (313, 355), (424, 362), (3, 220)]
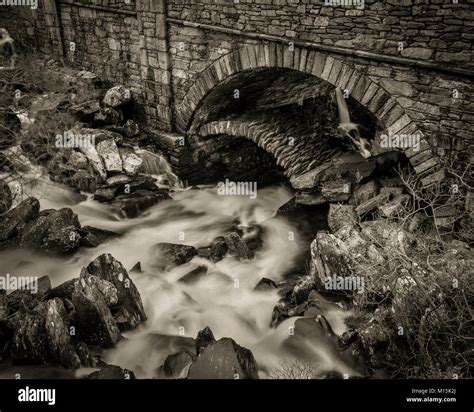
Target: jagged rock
[(56, 231), (117, 96), (395, 206), (172, 255), (131, 128), (93, 237), (237, 247), (137, 268), (365, 192), (5, 197), (265, 284), (194, 275), (341, 215), (216, 251), (94, 159), (224, 359), (109, 153), (177, 365), (373, 203), (338, 190), (302, 289), (133, 205), (112, 372), (42, 337), (13, 221), (128, 312), (78, 160), (203, 339), (388, 234), (131, 161), (85, 111), (105, 193), (83, 181), (85, 356), (93, 319), (108, 116)]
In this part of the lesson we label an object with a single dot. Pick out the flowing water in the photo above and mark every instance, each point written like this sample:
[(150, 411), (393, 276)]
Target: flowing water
[(224, 299)]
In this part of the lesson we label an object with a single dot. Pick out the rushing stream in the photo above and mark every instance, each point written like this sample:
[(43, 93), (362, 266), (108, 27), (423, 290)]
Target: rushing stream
[(224, 299)]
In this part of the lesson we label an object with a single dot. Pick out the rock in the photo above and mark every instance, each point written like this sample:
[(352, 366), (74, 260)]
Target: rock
[(112, 372), (3, 305), (128, 312), (336, 190), (216, 251), (85, 111), (203, 339), (388, 234), (395, 206), (372, 203), (130, 206), (237, 247), (94, 159), (177, 366), (85, 356), (137, 268), (13, 221), (5, 197), (131, 162), (108, 116), (93, 319), (108, 151), (93, 237), (265, 285), (105, 193), (83, 181), (224, 359), (194, 275), (131, 128), (302, 289), (172, 255), (42, 337), (365, 192), (78, 160), (117, 96), (55, 231), (341, 215)]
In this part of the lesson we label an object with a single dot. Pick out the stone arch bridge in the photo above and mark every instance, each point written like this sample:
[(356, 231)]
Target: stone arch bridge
[(406, 67)]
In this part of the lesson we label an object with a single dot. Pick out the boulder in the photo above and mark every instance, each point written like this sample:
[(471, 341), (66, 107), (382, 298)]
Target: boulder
[(117, 96), (108, 151), (128, 312), (177, 365), (224, 359), (93, 237), (341, 215), (203, 339), (5, 197), (131, 128), (265, 285), (216, 251), (78, 160), (111, 372), (132, 205), (131, 161), (108, 116), (95, 160), (171, 255), (42, 337), (237, 247), (82, 181), (93, 320), (13, 221), (55, 231)]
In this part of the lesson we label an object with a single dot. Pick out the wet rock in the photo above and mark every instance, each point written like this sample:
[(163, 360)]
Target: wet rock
[(224, 359), (117, 96), (172, 255), (108, 151), (131, 128), (13, 221), (216, 251), (237, 247), (56, 231), (137, 268), (203, 339), (108, 116), (83, 181), (5, 197), (93, 319), (86, 111), (128, 312), (105, 193), (130, 206), (112, 372), (93, 237), (265, 284), (302, 289), (85, 357), (131, 161), (42, 337), (194, 275), (177, 365), (341, 215)]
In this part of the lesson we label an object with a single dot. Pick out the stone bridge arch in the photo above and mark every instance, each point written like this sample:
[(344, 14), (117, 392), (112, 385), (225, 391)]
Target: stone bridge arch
[(334, 70)]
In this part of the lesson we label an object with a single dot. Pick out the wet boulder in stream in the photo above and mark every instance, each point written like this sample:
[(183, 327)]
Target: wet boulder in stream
[(171, 255), (13, 221)]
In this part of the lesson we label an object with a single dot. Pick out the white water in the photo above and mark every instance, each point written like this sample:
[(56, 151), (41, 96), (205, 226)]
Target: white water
[(193, 217)]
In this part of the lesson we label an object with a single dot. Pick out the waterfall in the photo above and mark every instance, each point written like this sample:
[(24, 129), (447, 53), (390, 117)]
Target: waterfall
[(156, 164)]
